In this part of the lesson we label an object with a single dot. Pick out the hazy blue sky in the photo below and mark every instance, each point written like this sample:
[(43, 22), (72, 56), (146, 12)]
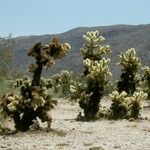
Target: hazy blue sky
[(29, 17)]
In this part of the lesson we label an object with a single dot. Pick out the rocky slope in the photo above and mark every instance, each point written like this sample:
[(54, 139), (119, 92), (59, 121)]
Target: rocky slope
[(119, 37)]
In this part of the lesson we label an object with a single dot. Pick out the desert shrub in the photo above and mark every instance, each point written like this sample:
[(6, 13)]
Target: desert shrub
[(96, 75), (6, 55), (145, 82), (5, 86), (33, 99), (130, 63), (124, 106)]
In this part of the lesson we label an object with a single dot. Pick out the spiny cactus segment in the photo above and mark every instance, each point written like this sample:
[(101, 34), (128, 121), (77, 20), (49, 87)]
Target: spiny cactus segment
[(98, 70), (129, 60), (92, 46)]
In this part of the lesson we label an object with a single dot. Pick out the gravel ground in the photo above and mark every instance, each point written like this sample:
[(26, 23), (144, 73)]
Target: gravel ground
[(69, 134)]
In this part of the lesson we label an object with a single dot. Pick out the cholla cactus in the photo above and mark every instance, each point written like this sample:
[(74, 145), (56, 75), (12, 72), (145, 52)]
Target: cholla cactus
[(76, 89), (93, 48), (130, 64), (145, 83), (98, 70), (120, 105), (61, 82), (34, 99), (135, 105), (96, 75), (129, 60), (124, 106), (45, 56)]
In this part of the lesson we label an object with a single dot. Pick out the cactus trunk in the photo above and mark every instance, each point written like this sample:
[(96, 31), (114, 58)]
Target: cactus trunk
[(23, 123), (127, 83), (91, 109), (37, 73)]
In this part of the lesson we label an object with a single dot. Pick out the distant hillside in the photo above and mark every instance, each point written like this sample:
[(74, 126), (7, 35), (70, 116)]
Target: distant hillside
[(119, 37)]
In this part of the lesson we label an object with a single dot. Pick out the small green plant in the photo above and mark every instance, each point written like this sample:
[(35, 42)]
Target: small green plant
[(129, 77), (33, 99), (96, 75)]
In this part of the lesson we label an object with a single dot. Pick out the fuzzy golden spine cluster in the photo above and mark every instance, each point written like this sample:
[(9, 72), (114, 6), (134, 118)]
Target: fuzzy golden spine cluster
[(124, 106), (98, 70), (138, 96), (135, 103), (129, 60), (49, 52), (118, 97), (13, 101), (76, 89), (40, 96), (92, 47), (32, 68), (146, 71), (119, 106)]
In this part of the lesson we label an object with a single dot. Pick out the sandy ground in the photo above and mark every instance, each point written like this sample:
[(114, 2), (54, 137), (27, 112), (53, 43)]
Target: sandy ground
[(69, 134)]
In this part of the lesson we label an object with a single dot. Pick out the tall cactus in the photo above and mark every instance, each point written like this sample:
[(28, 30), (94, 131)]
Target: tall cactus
[(96, 74), (130, 63), (34, 100)]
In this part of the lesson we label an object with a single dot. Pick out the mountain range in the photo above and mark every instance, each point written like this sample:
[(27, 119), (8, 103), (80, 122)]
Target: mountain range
[(119, 37)]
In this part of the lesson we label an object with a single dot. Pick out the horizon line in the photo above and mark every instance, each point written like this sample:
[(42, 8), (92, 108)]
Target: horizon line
[(41, 34)]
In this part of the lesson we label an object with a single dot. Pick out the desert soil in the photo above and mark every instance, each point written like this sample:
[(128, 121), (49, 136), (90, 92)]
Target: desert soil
[(69, 134)]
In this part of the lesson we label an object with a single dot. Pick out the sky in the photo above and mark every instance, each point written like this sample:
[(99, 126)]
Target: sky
[(36, 17)]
